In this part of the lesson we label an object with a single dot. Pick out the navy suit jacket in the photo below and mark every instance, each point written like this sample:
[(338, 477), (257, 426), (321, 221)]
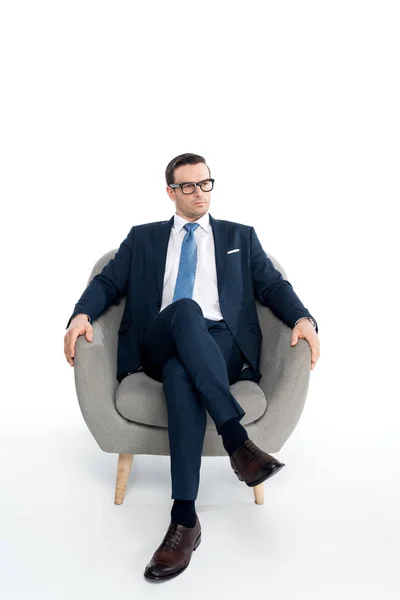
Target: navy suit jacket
[(137, 271)]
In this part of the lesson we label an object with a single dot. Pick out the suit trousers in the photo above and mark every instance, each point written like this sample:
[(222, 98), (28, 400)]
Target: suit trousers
[(196, 359)]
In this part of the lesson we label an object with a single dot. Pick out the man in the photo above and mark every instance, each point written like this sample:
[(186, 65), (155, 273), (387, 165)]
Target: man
[(190, 322)]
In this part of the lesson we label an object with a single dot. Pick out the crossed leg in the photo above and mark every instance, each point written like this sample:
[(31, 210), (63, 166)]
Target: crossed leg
[(197, 360)]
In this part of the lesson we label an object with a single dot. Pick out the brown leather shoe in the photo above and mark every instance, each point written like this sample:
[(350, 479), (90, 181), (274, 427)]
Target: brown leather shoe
[(175, 551), (252, 465)]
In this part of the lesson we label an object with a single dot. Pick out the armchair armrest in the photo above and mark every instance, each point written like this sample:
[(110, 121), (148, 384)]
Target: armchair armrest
[(285, 379), (96, 385)]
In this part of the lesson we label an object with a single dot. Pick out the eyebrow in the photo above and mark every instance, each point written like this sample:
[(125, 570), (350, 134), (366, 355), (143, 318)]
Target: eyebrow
[(201, 180)]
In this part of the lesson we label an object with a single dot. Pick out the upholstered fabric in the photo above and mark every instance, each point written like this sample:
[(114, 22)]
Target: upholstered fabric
[(141, 399), (131, 418)]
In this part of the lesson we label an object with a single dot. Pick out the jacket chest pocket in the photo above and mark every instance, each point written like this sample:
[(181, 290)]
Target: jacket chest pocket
[(233, 261), (233, 256)]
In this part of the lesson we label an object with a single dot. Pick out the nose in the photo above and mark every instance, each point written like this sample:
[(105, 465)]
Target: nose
[(198, 191)]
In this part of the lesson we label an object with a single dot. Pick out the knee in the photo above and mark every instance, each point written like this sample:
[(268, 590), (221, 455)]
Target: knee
[(187, 306)]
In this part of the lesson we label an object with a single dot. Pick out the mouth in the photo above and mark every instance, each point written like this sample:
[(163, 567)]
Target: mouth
[(200, 202)]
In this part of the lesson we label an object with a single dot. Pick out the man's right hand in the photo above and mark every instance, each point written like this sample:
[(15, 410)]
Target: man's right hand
[(78, 326)]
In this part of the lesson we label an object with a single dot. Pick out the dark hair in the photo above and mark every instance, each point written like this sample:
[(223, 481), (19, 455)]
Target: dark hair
[(179, 161)]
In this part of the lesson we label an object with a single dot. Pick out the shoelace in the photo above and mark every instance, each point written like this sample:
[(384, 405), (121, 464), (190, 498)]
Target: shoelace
[(251, 451), (172, 537)]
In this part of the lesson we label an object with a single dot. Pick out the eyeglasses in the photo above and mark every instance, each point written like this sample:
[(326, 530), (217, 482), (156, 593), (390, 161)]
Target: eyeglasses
[(188, 187)]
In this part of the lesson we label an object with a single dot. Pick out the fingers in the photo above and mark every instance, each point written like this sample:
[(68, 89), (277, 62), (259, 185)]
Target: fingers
[(315, 353), (70, 341), (69, 346), (313, 342), (89, 333)]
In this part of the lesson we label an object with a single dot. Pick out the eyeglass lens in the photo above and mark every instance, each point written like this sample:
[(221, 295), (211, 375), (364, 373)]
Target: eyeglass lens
[(206, 186)]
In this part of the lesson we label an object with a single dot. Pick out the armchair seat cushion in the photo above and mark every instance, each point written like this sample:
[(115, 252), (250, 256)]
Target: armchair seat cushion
[(141, 399)]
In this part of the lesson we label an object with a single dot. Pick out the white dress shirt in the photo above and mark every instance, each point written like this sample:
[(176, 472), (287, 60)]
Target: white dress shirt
[(205, 291)]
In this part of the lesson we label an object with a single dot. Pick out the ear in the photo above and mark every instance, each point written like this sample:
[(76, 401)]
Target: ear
[(170, 193)]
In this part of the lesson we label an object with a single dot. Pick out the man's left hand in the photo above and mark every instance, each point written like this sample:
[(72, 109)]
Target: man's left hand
[(305, 329)]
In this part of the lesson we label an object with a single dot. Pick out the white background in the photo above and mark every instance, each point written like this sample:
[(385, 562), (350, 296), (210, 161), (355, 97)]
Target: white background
[(295, 106)]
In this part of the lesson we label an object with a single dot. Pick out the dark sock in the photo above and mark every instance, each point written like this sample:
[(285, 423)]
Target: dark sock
[(184, 513), (233, 435)]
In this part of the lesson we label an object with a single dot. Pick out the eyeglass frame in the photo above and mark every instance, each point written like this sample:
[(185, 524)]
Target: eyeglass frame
[(175, 185)]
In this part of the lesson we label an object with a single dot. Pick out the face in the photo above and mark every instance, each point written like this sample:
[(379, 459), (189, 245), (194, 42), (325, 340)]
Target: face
[(190, 206)]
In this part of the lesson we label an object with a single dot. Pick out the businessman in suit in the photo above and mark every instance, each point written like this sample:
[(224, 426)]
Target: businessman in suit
[(190, 322)]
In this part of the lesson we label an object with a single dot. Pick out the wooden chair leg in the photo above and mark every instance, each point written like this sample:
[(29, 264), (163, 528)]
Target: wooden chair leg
[(124, 468), (259, 493)]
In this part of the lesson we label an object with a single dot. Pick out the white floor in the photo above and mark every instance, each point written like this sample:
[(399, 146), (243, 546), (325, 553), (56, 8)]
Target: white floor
[(329, 528)]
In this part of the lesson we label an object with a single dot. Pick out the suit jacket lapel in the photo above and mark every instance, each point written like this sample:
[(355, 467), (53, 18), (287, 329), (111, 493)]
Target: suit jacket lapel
[(220, 243), (161, 235)]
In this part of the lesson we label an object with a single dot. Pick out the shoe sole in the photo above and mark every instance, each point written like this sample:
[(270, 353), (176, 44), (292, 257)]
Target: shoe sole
[(165, 577), (264, 477)]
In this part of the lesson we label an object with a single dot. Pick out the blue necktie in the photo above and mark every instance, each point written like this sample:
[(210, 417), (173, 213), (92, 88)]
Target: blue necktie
[(187, 264)]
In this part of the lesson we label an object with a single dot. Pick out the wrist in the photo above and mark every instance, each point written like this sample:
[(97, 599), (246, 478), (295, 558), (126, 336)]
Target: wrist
[(313, 322), (83, 315)]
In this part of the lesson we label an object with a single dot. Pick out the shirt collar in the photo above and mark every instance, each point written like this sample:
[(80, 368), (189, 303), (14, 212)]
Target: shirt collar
[(204, 222)]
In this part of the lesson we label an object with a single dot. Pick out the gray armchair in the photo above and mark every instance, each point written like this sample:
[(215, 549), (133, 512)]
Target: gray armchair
[(131, 417)]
